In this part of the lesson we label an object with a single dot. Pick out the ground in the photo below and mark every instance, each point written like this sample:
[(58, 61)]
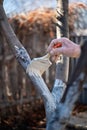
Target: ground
[(78, 120), (35, 119)]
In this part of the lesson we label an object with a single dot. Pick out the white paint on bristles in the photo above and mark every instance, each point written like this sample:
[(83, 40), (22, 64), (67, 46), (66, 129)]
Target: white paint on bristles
[(39, 65)]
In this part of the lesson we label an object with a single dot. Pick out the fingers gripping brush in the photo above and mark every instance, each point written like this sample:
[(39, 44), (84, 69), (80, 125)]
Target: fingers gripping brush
[(41, 64)]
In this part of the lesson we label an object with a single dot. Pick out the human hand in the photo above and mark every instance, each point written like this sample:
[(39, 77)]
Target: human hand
[(69, 48)]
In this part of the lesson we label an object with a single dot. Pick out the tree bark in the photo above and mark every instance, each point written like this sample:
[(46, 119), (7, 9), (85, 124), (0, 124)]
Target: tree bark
[(62, 31), (62, 66)]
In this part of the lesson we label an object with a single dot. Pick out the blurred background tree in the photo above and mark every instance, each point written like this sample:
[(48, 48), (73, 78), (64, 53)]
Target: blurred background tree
[(17, 6)]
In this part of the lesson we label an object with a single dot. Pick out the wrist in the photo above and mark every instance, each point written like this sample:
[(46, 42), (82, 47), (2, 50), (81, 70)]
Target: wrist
[(77, 51)]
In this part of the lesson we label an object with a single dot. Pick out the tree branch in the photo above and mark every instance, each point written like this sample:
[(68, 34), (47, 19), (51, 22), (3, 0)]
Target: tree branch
[(80, 67), (1, 2), (58, 90), (24, 59), (62, 66), (74, 87)]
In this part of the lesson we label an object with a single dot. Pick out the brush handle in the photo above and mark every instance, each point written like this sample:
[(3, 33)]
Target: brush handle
[(57, 45)]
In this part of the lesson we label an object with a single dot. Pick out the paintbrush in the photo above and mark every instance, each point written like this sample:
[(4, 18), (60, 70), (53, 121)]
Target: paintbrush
[(41, 64)]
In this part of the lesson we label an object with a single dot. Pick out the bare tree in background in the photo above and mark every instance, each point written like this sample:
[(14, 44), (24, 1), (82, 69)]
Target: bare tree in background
[(58, 111)]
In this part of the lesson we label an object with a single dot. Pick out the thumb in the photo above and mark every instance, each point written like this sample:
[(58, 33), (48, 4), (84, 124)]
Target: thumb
[(56, 51)]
